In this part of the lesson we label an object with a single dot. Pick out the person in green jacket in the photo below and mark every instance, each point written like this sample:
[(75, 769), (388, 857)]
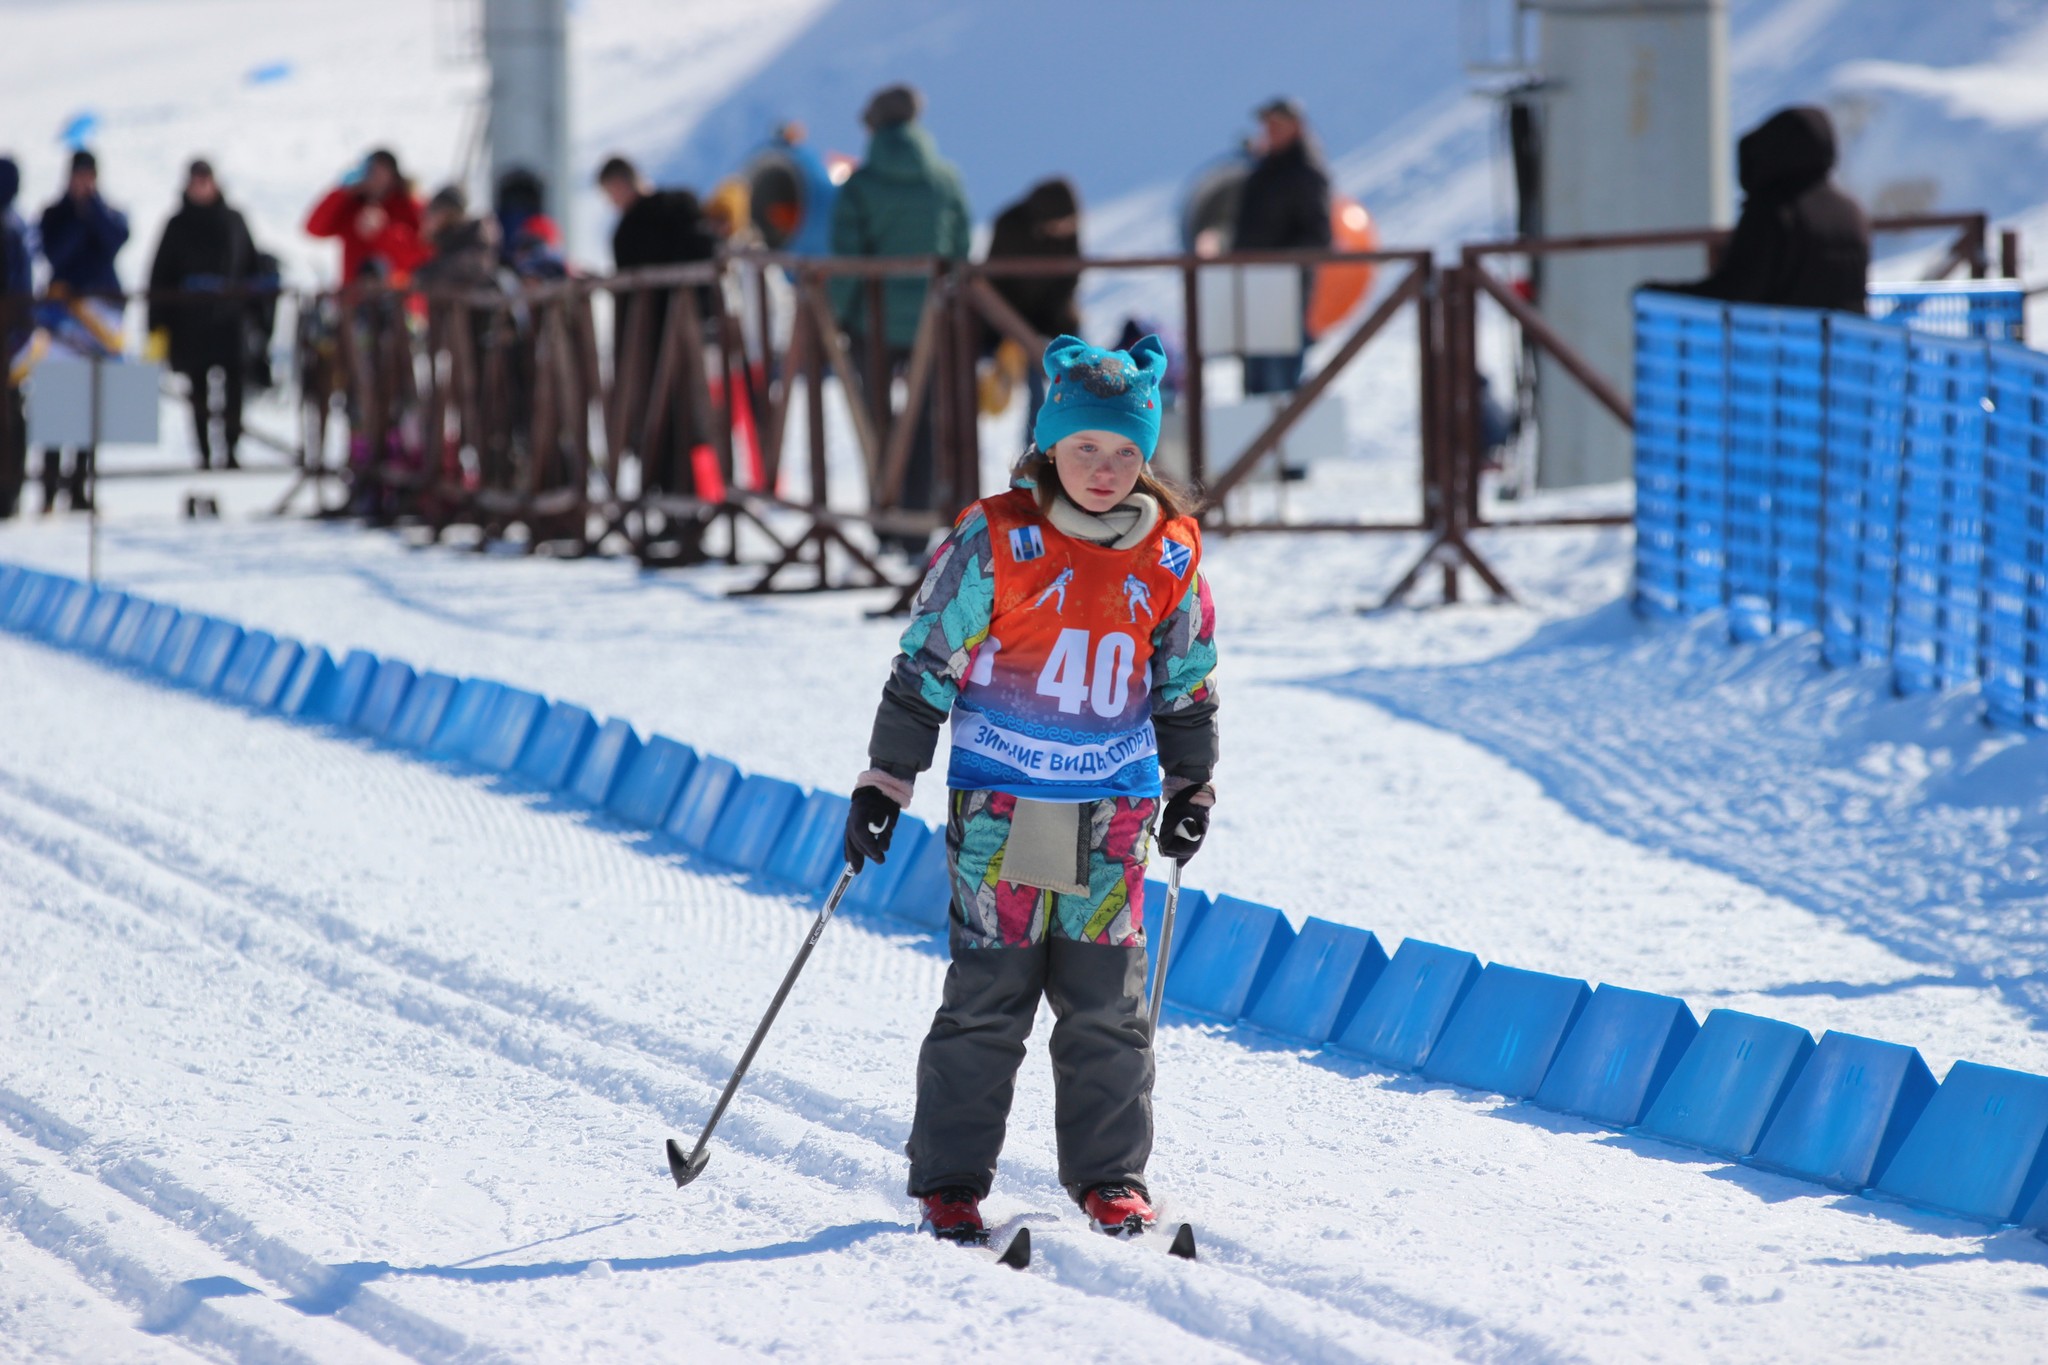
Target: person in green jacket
[(904, 200)]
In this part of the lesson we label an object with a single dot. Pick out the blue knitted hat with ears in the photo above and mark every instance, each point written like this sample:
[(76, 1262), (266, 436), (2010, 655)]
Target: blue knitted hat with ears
[(1090, 389)]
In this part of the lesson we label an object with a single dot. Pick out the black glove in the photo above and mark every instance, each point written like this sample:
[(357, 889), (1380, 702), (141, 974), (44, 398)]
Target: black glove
[(1185, 822), (869, 825)]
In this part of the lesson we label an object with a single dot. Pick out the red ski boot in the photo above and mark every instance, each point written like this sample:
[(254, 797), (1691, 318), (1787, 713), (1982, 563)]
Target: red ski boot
[(1119, 1210), (953, 1215)]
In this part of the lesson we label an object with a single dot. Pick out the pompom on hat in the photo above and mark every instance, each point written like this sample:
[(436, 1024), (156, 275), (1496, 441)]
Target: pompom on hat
[(1092, 389)]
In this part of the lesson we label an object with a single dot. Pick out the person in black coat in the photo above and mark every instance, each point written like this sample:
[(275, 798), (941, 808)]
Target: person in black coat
[(205, 249), (1800, 240), (1045, 222), (1285, 206), (17, 286)]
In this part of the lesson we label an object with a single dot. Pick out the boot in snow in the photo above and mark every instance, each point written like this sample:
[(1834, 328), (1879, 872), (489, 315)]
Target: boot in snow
[(1119, 1210), (953, 1215)]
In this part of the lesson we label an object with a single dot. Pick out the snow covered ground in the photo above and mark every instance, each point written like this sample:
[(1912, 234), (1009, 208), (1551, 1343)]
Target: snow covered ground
[(311, 1048)]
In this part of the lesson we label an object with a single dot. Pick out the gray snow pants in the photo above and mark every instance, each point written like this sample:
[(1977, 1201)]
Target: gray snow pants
[(1101, 1063)]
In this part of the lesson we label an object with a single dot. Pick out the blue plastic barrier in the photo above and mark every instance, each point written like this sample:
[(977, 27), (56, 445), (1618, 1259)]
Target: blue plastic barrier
[(924, 893), (100, 622), (32, 595), (610, 753), (1193, 906), (702, 800), (385, 696), (312, 683), (1981, 310), (813, 846), (557, 746), (467, 714), (1682, 454), (1848, 1112), (503, 736), (175, 653), (280, 666), (2015, 548), (1941, 510), (352, 677), (1727, 1087), (123, 639), (647, 792), (1403, 1015), (874, 890), (217, 645), (1978, 1147), (2036, 1217), (420, 714), (748, 828), (11, 578), (240, 674), (1618, 1056), (1229, 959), (1504, 1034), (69, 616), (1866, 426), (1328, 970)]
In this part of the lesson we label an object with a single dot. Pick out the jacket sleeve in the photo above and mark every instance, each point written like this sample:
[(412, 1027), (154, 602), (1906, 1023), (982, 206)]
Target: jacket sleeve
[(61, 237), (1747, 265), (332, 216), (949, 619), (1184, 689), (110, 225), (165, 272), (959, 239), (849, 238)]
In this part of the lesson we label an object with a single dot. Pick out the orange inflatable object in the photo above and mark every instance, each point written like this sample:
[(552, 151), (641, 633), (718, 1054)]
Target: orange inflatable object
[(1340, 287)]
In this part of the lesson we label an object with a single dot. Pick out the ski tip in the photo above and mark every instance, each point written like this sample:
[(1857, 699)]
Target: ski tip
[(1017, 1255), (1183, 1243), (685, 1168)]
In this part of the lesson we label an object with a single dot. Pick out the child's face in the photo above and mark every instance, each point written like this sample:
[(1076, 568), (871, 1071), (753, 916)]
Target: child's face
[(1098, 468)]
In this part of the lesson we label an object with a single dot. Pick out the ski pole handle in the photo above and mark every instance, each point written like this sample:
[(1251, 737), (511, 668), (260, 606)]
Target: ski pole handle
[(1165, 942)]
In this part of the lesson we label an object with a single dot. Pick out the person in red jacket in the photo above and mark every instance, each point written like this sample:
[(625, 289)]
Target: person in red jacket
[(377, 217)]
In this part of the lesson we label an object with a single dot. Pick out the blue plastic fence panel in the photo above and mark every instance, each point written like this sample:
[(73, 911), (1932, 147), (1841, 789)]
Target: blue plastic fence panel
[(57, 591), (1798, 457), (812, 849), (1230, 958), (31, 594), (280, 666), (1729, 1084), (2016, 539), (217, 645), (175, 653), (312, 683), (1403, 1015), (1681, 451), (702, 800), (874, 890), (503, 736), (122, 640), (250, 652), (924, 896), (1848, 1112), (2036, 1216), (387, 692), (1321, 982), (11, 576), (1978, 1147), (1504, 1035), (352, 677), (1618, 1056), (420, 714), (647, 792), (557, 747), (1975, 310), (1864, 456), (609, 756), (1746, 521), (1186, 917), (468, 712), (149, 641), (1941, 515), (100, 622), (746, 831), (68, 617)]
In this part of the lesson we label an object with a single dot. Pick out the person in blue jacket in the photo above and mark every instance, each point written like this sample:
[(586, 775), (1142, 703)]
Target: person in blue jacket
[(82, 234)]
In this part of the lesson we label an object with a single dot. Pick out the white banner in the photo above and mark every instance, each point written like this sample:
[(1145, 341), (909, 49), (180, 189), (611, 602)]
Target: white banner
[(1051, 760)]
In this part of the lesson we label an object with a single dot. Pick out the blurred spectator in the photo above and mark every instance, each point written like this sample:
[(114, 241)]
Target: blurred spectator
[(376, 215), (81, 236), (1285, 206), (1800, 239), (904, 200), (529, 242), (17, 282), (1045, 222), (462, 250), (205, 249), (801, 225)]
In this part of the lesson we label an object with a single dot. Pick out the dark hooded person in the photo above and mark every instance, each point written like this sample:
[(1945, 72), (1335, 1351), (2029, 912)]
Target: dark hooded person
[(205, 250)]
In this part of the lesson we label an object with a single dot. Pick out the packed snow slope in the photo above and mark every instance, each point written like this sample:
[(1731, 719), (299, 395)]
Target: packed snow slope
[(310, 1051)]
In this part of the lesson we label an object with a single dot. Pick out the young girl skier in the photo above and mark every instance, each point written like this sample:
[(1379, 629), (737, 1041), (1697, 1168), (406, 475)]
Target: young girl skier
[(1065, 628)]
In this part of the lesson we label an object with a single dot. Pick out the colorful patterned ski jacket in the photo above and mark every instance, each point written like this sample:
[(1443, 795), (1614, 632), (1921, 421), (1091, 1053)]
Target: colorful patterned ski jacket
[(1072, 671)]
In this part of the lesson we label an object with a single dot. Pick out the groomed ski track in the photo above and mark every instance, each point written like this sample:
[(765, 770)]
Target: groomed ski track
[(316, 1052)]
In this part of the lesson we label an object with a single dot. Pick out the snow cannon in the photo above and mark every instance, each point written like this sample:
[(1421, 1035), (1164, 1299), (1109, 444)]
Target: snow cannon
[(790, 190), (1208, 224)]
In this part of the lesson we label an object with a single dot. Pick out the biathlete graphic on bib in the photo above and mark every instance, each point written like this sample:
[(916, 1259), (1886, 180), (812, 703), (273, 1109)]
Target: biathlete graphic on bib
[(1057, 703)]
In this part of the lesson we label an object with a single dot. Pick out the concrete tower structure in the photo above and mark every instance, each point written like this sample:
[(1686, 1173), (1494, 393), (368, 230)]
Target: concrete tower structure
[(526, 45)]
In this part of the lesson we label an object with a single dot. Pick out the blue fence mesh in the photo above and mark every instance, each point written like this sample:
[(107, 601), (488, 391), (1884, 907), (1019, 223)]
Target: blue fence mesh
[(1681, 443), (1866, 428), (1775, 380), (2016, 539), (1941, 510), (1973, 310)]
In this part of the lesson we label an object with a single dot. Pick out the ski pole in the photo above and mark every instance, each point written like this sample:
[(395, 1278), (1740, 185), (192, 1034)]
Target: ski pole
[(688, 1168), (1165, 941)]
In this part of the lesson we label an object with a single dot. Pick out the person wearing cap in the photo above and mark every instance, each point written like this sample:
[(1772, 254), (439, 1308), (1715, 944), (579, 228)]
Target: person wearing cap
[(1285, 206), (1045, 222), (903, 200), (1065, 628), (17, 328), (376, 216), (205, 249), (81, 236)]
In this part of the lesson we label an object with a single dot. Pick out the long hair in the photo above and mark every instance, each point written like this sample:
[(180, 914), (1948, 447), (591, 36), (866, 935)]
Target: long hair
[(1037, 466)]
